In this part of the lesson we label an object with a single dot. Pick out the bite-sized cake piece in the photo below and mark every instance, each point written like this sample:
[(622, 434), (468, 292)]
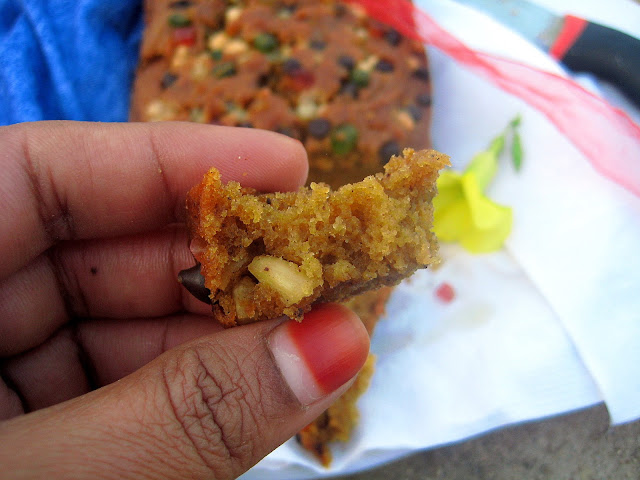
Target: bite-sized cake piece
[(265, 255), (353, 90)]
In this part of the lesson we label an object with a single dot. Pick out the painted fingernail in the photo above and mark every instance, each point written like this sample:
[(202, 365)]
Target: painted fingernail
[(321, 353), (193, 281)]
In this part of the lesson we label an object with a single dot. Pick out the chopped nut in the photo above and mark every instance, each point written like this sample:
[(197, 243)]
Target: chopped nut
[(404, 118), (307, 109), (368, 63), (180, 57), (201, 67), (159, 110), (235, 47), (284, 277), (217, 41), (242, 293), (232, 14)]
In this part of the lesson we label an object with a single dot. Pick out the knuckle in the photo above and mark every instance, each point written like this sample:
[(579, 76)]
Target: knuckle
[(217, 409)]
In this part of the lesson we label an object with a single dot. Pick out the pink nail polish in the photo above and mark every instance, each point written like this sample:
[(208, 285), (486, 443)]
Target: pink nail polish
[(321, 353)]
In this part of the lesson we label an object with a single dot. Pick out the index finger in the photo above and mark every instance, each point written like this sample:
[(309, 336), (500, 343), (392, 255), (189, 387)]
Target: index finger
[(72, 180)]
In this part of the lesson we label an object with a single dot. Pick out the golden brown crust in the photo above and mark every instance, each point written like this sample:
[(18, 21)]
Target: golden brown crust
[(265, 255)]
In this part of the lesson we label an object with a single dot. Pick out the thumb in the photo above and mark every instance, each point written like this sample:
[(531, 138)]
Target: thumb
[(211, 408)]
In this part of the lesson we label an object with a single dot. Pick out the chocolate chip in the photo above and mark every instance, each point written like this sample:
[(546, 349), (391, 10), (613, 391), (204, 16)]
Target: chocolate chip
[(387, 150), (384, 66), (181, 4), (423, 99), (349, 88), (347, 62), (319, 128), (422, 73), (393, 37), (94, 270), (317, 44), (289, 8), (291, 65), (289, 132), (193, 281), (168, 79), (340, 10), (263, 80), (415, 112)]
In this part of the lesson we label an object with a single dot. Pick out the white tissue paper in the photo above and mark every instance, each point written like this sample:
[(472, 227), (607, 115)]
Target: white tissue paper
[(548, 325)]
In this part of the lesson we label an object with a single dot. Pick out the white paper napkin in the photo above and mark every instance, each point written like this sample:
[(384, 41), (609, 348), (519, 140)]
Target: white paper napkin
[(548, 325)]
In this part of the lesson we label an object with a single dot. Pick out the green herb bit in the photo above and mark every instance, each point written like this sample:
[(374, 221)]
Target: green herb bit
[(216, 54), (360, 77), (196, 115), (179, 20), (266, 42), (224, 69), (344, 139)]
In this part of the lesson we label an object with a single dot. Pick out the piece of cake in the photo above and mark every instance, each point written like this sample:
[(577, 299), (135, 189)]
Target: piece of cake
[(353, 90), (273, 254)]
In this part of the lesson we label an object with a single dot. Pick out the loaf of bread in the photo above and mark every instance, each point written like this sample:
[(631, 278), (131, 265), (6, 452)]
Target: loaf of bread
[(351, 89)]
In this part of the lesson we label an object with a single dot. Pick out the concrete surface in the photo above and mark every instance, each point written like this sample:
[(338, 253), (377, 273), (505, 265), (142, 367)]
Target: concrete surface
[(577, 446)]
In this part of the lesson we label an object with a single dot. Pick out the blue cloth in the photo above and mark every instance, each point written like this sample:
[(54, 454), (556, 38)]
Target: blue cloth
[(67, 59)]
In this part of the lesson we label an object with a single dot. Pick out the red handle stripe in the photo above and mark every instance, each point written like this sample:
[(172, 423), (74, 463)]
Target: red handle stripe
[(572, 28)]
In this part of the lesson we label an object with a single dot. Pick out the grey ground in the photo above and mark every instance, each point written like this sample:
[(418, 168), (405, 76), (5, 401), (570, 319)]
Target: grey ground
[(577, 446)]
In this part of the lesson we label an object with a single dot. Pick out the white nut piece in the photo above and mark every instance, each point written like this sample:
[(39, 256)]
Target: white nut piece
[(242, 295), (284, 277)]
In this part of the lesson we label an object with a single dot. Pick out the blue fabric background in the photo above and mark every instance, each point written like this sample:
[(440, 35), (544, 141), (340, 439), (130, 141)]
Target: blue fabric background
[(67, 59)]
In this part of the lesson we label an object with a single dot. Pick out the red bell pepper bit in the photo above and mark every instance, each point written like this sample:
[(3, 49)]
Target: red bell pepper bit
[(184, 36), (301, 80)]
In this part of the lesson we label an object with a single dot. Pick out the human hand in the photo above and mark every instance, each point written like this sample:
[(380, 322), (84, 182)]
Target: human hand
[(109, 369)]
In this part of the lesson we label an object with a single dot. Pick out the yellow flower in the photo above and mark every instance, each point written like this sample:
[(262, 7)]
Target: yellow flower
[(464, 214)]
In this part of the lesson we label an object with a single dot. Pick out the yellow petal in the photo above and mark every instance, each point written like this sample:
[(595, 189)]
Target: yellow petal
[(449, 189), (485, 214), (452, 222), (484, 166), (490, 240), (448, 179)]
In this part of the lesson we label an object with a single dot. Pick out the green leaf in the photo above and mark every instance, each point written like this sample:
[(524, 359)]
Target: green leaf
[(496, 145), (516, 152), (515, 123)]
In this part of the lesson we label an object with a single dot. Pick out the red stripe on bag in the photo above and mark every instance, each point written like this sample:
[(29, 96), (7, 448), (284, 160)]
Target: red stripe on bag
[(604, 134)]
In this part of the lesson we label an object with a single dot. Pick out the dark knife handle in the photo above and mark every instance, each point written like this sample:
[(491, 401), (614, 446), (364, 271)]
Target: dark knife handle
[(610, 54)]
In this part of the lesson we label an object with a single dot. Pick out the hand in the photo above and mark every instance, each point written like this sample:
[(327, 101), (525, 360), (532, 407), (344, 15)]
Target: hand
[(109, 369)]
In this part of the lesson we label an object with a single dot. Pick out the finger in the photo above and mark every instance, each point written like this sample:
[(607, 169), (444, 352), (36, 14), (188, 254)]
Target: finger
[(124, 277), (78, 359), (211, 408), (117, 348), (49, 374), (70, 180)]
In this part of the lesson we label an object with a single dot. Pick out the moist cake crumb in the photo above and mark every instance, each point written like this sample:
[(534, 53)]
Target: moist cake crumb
[(264, 255)]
